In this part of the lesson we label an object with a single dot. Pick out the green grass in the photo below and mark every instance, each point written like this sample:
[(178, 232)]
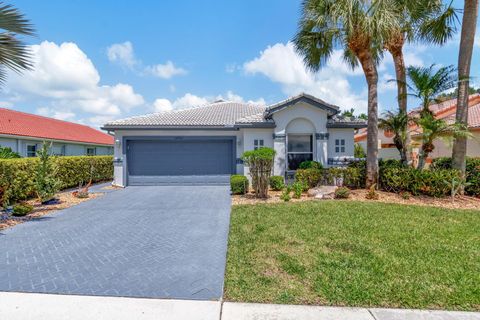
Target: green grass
[(354, 254)]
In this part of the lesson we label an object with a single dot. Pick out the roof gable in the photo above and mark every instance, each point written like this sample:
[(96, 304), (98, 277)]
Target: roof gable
[(303, 97)]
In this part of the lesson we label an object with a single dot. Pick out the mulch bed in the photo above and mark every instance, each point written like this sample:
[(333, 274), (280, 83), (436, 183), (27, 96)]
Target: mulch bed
[(461, 202), (66, 200)]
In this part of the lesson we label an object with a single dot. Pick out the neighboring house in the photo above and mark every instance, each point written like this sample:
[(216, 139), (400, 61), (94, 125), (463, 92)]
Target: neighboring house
[(445, 110), (191, 144), (25, 133)]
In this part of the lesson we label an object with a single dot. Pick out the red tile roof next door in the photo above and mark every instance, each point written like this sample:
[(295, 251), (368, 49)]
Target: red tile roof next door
[(30, 125)]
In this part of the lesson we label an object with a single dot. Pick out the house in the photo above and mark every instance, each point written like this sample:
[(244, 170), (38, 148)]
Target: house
[(205, 143), (25, 133), (443, 148)]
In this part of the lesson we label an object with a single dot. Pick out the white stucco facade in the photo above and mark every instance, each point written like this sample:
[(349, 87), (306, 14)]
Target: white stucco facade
[(299, 119)]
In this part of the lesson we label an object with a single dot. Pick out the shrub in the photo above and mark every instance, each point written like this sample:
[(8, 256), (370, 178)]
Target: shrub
[(298, 188), (285, 196), (429, 182), (239, 184), (310, 165), (17, 176), (342, 193), (309, 177), (472, 175), (21, 210), (277, 183), (352, 177), (8, 153), (260, 163), (46, 183)]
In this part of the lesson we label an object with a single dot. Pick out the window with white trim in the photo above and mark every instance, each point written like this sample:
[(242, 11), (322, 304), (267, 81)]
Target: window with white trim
[(299, 149), (257, 143), (339, 145), (31, 150)]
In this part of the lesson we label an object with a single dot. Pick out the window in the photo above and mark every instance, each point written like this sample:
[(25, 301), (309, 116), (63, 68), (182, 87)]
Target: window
[(299, 149), (91, 151), (31, 150), (339, 145), (257, 143)]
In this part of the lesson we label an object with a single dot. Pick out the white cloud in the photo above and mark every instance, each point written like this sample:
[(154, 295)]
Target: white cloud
[(190, 100), (385, 83), (57, 114), (122, 53), (66, 80), (281, 64), (165, 71), (161, 105)]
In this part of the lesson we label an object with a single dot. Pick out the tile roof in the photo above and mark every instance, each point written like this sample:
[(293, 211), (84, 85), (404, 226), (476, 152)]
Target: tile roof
[(30, 125), (217, 114), (223, 114)]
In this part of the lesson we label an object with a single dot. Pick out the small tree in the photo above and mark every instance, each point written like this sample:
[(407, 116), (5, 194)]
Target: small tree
[(397, 123), (45, 182), (260, 164)]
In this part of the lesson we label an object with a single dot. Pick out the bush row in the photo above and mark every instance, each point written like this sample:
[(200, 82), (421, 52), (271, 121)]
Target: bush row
[(472, 172), (17, 176)]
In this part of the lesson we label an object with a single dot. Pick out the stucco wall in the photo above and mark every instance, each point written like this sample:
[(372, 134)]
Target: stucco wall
[(347, 135), (249, 136)]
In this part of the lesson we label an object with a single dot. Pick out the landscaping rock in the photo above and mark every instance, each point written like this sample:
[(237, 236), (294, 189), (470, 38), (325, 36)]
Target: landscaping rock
[(323, 192)]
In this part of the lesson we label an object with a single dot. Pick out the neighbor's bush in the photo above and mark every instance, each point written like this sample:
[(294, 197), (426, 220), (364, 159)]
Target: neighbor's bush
[(433, 183), (239, 184), (277, 183), (342, 193), (8, 153), (21, 210), (472, 174), (310, 165), (260, 164), (309, 177), (17, 176)]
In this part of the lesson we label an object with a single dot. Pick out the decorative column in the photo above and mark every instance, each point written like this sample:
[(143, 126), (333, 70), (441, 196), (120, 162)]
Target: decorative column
[(322, 148), (280, 154)]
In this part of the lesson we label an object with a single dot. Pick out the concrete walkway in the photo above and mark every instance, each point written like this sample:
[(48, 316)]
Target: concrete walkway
[(32, 306)]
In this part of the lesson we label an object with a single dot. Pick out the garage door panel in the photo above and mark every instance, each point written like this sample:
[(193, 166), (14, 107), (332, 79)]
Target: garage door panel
[(156, 158)]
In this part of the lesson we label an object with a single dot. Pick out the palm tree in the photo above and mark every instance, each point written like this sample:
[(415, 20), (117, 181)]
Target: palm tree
[(396, 122), (426, 83), (469, 25), (433, 129), (14, 53), (422, 20), (359, 28)]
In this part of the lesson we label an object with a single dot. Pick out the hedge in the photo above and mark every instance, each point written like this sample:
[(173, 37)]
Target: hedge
[(472, 172), (17, 175)]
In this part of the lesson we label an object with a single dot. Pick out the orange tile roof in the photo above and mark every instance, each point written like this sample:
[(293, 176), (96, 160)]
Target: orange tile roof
[(30, 125)]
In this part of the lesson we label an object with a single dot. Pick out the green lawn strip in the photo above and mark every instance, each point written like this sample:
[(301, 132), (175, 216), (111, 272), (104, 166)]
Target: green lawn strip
[(354, 254)]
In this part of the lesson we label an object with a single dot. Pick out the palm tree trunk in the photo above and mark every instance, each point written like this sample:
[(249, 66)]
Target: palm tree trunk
[(421, 159), (371, 75), (469, 22), (401, 77)]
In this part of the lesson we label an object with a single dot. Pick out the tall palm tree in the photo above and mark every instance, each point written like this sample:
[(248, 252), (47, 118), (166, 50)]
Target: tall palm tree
[(14, 53), (426, 84), (422, 20), (396, 122), (433, 129), (360, 28), (469, 25)]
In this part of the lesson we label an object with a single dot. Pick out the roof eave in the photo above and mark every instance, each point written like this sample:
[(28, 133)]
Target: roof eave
[(331, 109), (346, 125)]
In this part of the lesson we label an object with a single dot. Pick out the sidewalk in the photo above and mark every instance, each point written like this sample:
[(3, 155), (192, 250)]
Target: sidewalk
[(32, 306)]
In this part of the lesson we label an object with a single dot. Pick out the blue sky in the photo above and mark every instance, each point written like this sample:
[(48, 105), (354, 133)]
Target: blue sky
[(103, 60)]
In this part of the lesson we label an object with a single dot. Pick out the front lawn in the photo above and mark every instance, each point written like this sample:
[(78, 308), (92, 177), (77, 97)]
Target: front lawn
[(354, 254)]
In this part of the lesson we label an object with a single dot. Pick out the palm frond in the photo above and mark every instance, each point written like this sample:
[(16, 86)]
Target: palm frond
[(11, 20)]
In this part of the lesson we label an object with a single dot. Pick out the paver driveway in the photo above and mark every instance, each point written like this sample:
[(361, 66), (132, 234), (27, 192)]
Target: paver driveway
[(155, 241)]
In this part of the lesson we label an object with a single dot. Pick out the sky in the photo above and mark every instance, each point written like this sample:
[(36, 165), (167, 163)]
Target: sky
[(97, 61)]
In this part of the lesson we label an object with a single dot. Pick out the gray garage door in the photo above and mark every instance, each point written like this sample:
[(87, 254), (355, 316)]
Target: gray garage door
[(180, 160)]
